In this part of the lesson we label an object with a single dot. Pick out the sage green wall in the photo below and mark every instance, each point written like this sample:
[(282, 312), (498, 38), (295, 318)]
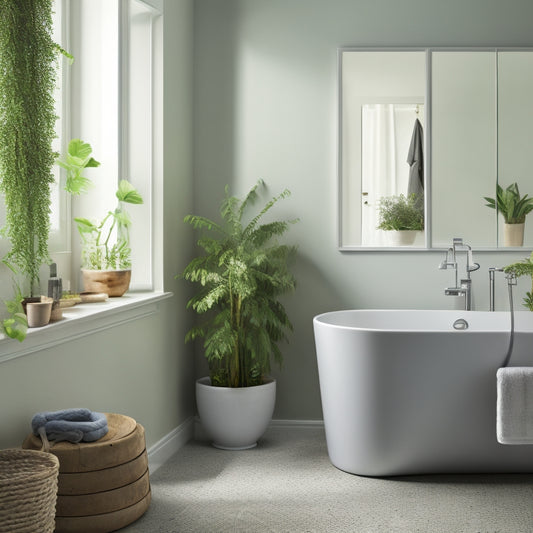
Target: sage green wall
[(141, 368), (265, 107)]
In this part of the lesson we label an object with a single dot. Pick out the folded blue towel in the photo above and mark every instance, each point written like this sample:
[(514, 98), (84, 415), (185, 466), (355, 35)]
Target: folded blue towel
[(73, 425)]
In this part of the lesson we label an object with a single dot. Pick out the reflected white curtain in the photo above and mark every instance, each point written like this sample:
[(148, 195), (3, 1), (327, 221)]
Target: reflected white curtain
[(386, 135), (379, 176)]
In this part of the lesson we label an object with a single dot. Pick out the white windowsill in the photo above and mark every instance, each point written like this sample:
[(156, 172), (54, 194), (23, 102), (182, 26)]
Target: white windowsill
[(84, 319)]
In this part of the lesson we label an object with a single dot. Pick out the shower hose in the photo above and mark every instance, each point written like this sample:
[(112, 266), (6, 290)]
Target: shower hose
[(511, 280)]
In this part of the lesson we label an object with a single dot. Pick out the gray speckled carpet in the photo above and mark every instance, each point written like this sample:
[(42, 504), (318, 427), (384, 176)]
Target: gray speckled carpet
[(287, 484)]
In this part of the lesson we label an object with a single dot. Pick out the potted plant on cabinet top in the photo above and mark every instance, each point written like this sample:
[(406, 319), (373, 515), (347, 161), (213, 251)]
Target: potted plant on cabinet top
[(241, 276), (523, 268), (514, 210), (106, 252), (402, 217), (28, 64)]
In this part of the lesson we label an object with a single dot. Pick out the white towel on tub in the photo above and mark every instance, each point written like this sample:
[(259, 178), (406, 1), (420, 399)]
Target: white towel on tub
[(514, 406)]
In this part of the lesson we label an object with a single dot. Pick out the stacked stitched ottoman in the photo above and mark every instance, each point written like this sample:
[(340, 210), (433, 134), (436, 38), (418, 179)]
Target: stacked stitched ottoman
[(102, 485)]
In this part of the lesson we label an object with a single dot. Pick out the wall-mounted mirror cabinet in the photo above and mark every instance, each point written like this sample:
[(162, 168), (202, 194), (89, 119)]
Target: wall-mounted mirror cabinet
[(424, 136)]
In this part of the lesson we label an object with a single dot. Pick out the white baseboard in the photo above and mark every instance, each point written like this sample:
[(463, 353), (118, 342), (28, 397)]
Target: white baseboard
[(171, 443), (296, 424), (166, 447), (199, 433)]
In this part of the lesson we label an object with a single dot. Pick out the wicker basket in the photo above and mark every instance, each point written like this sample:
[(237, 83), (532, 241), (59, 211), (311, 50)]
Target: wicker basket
[(28, 491)]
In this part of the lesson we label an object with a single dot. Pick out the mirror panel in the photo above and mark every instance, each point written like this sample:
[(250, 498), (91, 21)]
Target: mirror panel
[(380, 95), (476, 124), (463, 147), (515, 119)]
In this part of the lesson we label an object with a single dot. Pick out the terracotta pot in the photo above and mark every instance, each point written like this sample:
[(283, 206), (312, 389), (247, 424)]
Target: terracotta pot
[(38, 313), (110, 282)]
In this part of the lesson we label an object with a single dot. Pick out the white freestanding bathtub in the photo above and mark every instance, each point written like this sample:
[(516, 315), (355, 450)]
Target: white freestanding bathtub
[(403, 392)]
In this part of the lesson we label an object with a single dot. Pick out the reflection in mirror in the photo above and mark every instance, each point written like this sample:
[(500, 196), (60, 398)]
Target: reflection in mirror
[(392, 165), (515, 117), (479, 125), (382, 123), (463, 154)]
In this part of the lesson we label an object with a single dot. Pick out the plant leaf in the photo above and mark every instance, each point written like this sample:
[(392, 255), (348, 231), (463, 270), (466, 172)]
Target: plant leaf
[(127, 193), (85, 225)]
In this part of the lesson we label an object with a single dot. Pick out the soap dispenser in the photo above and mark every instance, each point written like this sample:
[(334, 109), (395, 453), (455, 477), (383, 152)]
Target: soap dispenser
[(55, 284)]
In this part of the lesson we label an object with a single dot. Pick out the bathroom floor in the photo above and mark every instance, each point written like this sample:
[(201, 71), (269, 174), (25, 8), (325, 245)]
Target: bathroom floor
[(287, 484)]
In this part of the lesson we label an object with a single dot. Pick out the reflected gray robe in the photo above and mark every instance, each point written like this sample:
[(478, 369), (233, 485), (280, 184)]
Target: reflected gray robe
[(415, 158)]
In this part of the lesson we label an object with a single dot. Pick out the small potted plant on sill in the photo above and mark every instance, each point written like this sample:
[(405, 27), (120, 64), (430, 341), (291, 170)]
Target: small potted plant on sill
[(240, 277), (514, 209), (402, 217), (106, 252)]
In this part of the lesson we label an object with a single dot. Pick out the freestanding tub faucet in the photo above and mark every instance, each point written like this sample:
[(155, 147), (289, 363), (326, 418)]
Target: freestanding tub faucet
[(464, 288), (492, 272)]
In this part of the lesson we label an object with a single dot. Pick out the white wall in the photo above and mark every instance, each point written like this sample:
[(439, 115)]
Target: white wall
[(265, 107), (141, 369)]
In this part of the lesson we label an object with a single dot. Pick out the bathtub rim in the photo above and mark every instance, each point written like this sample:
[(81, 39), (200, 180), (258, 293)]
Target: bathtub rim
[(453, 314)]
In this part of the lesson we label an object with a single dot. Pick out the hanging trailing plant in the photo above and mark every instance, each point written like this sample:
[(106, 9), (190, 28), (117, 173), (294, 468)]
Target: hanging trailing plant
[(27, 119)]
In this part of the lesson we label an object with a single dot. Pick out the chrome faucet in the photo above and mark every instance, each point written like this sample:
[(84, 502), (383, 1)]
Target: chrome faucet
[(464, 288), (511, 281), (492, 271)]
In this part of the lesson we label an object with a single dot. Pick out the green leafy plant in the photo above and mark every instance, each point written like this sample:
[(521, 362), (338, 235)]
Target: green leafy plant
[(27, 121), (509, 203), (100, 252), (400, 213), (77, 159), (240, 277), (106, 243), (523, 268), (15, 325)]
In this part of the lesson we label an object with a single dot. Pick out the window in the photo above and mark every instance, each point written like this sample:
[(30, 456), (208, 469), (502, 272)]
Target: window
[(110, 96), (139, 92), (116, 88)]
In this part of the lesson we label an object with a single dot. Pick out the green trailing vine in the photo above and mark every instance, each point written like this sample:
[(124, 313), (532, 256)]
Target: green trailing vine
[(15, 325), (28, 58), (240, 278)]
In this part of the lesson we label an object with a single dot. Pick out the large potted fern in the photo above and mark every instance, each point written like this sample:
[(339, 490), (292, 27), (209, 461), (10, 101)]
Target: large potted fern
[(514, 209), (241, 275)]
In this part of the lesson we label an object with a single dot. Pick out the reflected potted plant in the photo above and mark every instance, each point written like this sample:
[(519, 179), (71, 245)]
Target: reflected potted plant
[(514, 209), (402, 217), (106, 252), (240, 278)]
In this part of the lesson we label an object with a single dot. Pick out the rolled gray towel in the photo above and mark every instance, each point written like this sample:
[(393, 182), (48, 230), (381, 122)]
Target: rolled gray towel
[(73, 425)]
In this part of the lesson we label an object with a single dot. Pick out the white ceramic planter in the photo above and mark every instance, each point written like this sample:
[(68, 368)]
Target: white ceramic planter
[(235, 418), (513, 234), (401, 238)]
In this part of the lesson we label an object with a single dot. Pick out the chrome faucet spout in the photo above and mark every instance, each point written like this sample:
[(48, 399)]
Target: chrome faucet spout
[(450, 262)]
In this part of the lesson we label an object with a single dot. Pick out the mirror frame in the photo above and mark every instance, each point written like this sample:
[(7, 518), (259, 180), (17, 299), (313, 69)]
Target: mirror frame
[(427, 145)]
